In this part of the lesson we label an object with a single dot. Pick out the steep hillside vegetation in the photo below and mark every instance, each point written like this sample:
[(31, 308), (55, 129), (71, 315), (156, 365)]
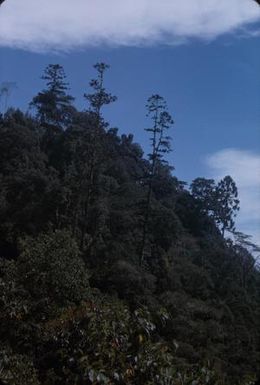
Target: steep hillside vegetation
[(112, 271)]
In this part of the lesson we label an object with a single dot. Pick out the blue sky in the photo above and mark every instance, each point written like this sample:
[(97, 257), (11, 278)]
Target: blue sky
[(207, 70)]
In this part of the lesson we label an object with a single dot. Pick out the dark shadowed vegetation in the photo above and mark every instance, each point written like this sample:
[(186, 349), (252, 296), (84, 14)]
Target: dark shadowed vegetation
[(112, 271)]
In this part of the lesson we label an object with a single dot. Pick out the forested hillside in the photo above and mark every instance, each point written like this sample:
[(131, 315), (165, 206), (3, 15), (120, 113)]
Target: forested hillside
[(113, 271)]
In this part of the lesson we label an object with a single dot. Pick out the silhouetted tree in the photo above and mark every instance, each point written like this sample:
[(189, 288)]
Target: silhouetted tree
[(203, 190), (100, 97), (92, 144), (218, 201), (226, 204), (54, 105), (80, 301), (160, 145)]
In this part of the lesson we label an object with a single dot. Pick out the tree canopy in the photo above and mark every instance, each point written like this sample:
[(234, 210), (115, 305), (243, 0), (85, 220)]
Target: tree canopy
[(113, 271)]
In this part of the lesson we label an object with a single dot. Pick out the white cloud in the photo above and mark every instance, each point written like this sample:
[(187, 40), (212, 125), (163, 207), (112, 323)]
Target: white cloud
[(66, 24), (244, 167)]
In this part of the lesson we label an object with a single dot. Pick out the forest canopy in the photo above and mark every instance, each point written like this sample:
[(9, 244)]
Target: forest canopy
[(113, 271)]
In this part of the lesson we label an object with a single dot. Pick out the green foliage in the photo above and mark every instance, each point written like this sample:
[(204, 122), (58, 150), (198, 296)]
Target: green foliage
[(16, 369), (129, 281), (103, 342), (111, 272), (49, 266)]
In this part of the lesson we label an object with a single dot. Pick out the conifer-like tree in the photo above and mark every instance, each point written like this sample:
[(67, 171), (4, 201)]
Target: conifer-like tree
[(54, 105)]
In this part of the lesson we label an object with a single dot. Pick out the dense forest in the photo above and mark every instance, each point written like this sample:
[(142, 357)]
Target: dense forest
[(113, 271)]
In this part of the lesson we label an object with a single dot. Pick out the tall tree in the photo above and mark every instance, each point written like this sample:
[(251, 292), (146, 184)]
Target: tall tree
[(218, 201), (160, 145), (100, 97), (91, 145), (54, 105), (227, 204), (203, 191)]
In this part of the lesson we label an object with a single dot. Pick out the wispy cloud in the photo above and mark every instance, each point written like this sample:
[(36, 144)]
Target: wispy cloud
[(244, 167), (66, 24)]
